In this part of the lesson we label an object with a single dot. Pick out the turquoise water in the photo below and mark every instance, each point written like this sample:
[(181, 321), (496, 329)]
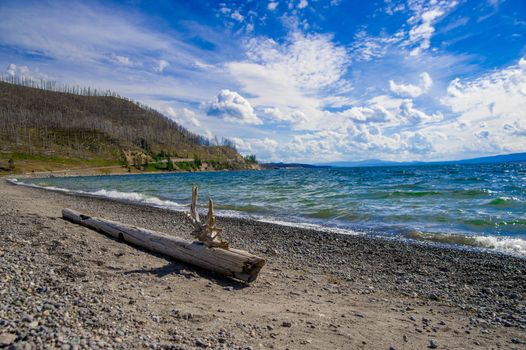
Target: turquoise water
[(476, 205)]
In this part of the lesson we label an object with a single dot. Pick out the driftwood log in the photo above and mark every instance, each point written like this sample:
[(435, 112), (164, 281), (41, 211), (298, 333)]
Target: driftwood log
[(234, 263)]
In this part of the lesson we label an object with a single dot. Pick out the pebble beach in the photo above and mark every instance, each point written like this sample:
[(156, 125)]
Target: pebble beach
[(65, 286)]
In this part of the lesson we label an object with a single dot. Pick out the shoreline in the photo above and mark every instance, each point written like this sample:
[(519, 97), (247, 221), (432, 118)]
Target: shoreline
[(417, 238), (329, 287)]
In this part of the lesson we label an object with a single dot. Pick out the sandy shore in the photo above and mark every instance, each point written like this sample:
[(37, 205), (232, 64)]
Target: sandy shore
[(65, 286)]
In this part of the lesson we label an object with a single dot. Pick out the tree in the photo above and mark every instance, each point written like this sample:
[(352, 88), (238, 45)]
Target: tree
[(251, 159), (197, 162), (170, 165)]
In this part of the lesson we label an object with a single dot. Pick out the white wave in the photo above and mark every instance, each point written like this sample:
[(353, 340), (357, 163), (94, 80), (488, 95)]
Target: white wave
[(136, 198), (516, 246), (133, 197), (310, 226), (509, 245)]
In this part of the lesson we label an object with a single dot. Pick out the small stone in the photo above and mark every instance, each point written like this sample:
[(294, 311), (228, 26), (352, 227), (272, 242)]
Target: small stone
[(433, 344), (7, 339), (392, 348), (65, 347), (228, 288), (201, 343), (286, 324), (27, 318)]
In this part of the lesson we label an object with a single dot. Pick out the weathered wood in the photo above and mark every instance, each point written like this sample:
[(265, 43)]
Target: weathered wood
[(234, 263), (207, 233)]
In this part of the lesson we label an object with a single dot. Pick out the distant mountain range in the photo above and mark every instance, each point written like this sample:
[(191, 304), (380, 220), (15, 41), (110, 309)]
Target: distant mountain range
[(290, 165), (505, 158)]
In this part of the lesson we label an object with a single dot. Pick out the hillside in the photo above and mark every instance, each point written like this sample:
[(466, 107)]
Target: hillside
[(44, 129)]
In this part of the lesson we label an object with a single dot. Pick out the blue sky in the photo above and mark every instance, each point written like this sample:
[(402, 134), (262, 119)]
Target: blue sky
[(298, 80)]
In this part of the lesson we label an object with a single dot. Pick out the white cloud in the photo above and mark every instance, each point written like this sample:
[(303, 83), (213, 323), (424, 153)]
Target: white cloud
[(303, 4), (518, 128), (310, 61), (422, 33), (498, 97), (272, 5), (162, 65), (412, 90), (232, 107), (418, 143), (408, 111), (237, 16), (373, 113), (266, 149), (483, 134), (185, 116), (366, 47), (388, 112), (422, 22), (393, 7), (203, 65), (85, 34), (293, 76), (292, 116), (123, 60), (23, 72)]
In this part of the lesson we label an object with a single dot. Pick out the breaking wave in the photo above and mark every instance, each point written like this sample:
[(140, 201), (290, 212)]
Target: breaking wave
[(132, 197), (510, 245)]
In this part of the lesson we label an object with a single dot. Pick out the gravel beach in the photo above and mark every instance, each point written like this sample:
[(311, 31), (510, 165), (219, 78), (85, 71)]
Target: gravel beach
[(68, 287)]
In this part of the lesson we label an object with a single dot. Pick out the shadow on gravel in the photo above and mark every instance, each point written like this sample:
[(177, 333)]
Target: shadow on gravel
[(179, 268), (190, 272)]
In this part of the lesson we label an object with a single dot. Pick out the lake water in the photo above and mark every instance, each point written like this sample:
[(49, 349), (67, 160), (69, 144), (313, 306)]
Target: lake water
[(471, 205)]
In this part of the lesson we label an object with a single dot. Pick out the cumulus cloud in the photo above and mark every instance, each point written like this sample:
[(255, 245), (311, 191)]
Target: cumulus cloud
[(373, 113), (418, 143), (232, 107), (498, 97), (265, 148), (294, 75), (23, 72), (161, 66), (386, 111), (408, 111), (412, 90)]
